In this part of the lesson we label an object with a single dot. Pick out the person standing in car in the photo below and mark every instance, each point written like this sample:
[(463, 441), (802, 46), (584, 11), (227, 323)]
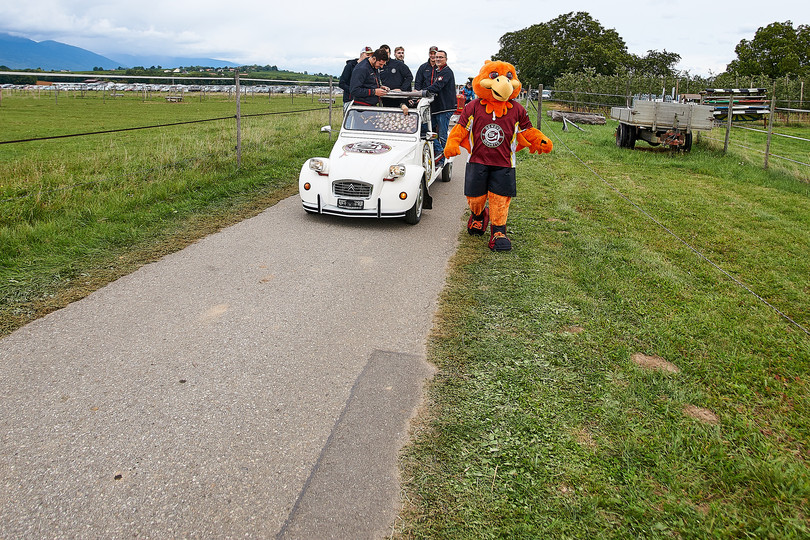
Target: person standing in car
[(396, 76), (346, 77), (365, 87), (444, 103), (424, 75)]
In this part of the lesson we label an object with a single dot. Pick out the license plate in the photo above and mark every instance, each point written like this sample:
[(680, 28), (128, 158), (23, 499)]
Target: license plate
[(350, 203)]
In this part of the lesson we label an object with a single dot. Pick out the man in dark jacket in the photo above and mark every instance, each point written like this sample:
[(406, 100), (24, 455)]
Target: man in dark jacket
[(365, 87), (444, 102), (396, 76), (346, 76), (424, 75)]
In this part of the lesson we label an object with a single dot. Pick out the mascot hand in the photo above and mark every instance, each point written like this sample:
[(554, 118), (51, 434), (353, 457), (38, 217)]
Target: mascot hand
[(456, 139), (535, 141), (451, 148)]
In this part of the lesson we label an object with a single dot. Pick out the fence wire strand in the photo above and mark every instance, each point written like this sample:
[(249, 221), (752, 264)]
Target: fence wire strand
[(120, 130), (161, 167)]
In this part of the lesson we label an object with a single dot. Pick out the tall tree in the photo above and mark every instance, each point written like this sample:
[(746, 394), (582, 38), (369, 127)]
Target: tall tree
[(656, 63), (568, 43), (776, 50)]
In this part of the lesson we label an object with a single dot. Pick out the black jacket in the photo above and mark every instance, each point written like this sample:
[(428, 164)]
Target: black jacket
[(396, 75), (444, 87), (346, 79), (365, 80), (424, 76)]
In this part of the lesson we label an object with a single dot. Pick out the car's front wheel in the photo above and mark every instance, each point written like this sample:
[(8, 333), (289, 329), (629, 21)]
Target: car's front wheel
[(413, 215)]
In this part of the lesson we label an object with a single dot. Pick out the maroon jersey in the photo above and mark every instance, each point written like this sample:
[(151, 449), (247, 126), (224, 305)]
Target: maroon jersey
[(493, 140)]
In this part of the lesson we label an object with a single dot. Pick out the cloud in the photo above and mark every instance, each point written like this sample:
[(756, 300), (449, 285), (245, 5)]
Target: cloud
[(318, 36)]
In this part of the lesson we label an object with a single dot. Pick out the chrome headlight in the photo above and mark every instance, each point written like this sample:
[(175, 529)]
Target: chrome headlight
[(396, 171), (319, 165)]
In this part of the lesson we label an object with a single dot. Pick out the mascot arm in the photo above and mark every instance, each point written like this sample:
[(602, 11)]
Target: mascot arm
[(458, 137), (535, 141)]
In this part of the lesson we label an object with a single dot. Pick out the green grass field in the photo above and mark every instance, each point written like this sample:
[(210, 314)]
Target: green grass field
[(78, 212), (601, 380), (749, 143)]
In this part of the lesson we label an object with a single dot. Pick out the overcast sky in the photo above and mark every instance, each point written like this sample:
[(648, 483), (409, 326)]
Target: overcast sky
[(318, 36)]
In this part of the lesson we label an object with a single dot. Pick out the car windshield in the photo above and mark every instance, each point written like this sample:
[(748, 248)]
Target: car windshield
[(383, 121)]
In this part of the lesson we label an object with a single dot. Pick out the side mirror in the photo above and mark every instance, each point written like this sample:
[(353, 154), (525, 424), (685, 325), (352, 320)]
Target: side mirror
[(326, 129)]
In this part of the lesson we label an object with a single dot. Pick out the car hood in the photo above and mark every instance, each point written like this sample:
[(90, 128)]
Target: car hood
[(368, 159)]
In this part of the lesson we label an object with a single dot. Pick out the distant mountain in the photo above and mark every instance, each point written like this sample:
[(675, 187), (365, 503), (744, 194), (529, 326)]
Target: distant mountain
[(22, 53)]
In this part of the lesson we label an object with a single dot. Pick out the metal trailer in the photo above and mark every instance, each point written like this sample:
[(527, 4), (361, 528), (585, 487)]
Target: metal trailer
[(659, 122)]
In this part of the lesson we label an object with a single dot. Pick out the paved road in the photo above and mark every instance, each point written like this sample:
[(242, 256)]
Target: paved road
[(257, 383)]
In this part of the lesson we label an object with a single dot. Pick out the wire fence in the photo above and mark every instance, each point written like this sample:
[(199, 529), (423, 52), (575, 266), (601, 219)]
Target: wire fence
[(790, 126), (175, 92), (303, 96)]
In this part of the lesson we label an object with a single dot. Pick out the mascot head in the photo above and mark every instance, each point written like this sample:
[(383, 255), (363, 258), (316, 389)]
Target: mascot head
[(497, 81)]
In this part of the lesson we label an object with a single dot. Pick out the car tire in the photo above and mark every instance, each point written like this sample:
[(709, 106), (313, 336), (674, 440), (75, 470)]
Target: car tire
[(413, 215), (447, 171)]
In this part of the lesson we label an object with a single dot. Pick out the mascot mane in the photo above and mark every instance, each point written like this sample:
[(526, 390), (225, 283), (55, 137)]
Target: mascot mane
[(497, 85)]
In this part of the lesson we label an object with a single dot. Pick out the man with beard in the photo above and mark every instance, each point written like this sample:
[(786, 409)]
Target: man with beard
[(424, 75), (365, 87)]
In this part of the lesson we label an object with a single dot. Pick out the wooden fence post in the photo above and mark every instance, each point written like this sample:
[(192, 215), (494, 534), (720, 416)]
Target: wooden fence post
[(540, 107), (238, 122), (770, 126), (330, 108), (730, 116)]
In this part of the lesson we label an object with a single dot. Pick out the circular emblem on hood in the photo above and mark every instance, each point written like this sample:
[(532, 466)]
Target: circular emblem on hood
[(492, 135), (367, 147)]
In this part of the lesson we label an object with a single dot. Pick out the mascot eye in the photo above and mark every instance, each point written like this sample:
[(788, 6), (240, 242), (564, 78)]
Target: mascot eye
[(509, 75), (494, 75)]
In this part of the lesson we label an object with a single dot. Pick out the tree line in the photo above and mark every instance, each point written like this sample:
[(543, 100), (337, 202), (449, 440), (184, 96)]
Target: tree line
[(575, 45)]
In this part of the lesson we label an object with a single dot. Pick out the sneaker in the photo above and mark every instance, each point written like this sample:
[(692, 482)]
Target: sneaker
[(499, 241), (440, 162), (478, 224)]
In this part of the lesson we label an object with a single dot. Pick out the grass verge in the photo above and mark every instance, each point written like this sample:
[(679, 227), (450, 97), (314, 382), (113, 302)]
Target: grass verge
[(602, 380)]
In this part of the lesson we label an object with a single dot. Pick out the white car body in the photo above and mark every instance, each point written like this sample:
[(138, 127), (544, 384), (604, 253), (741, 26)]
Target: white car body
[(382, 166)]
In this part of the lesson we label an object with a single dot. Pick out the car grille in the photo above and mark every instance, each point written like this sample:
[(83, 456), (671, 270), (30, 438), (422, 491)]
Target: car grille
[(349, 188)]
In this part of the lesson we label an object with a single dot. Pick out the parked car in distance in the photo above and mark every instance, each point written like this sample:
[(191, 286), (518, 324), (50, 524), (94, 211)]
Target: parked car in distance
[(381, 166)]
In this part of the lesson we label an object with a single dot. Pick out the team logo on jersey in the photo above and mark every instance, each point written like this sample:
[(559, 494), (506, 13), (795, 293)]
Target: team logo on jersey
[(492, 135)]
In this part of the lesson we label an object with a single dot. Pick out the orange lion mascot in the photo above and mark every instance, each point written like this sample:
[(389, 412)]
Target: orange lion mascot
[(492, 128)]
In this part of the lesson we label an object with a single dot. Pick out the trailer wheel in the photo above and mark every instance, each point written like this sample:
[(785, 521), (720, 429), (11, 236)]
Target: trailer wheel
[(630, 141), (621, 135), (687, 142)]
